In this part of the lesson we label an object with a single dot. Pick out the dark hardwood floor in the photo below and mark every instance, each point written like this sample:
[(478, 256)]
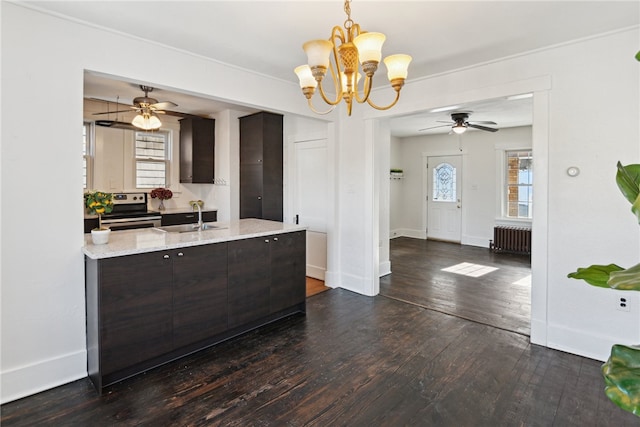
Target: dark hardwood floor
[(495, 299), (351, 361)]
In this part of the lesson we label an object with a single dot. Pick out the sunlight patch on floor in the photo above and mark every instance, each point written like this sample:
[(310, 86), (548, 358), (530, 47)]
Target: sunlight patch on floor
[(526, 281), (469, 269)]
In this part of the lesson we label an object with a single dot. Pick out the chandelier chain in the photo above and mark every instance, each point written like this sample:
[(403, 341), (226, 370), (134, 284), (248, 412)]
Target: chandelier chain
[(347, 9)]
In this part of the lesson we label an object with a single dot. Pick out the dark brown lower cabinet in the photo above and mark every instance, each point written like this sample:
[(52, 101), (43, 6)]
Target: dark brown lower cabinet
[(147, 309), (249, 280), (272, 281), (288, 269), (135, 321), (199, 293)]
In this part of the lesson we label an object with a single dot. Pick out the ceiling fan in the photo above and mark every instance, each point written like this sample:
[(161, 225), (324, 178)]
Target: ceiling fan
[(460, 123), (147, 109)]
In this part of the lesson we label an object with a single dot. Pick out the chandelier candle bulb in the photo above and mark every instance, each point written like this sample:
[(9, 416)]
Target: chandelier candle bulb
[(305, 77), (318, 52), (369, 47), (397, 66)]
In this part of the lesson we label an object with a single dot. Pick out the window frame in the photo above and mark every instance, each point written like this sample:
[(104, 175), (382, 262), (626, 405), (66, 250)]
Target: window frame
[(166, 161), (89, 152), (502, 184)]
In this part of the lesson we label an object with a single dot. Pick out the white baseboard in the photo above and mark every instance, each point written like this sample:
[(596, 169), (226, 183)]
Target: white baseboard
[(331, 279), (315, 272), (482, 242), (407, 232), (356, 284), (538, 332), (579, 342), (384, 268), (31, 379)]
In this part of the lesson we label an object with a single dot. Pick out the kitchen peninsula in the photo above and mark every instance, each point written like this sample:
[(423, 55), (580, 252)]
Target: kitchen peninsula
[(155, 296)]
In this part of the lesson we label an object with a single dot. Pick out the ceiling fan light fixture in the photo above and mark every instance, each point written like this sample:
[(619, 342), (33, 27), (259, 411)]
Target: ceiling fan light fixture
[(146, 121), (355, 51), (459, 128)]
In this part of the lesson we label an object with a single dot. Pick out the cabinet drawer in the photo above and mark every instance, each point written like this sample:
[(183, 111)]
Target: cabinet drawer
[(188, 217)]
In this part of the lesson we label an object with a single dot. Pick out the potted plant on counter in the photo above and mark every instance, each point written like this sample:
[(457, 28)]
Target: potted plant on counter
[(162, 194), (97, 203)]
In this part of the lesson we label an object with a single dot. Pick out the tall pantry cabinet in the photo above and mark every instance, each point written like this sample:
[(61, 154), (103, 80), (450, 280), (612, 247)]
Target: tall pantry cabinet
[(261, 166)]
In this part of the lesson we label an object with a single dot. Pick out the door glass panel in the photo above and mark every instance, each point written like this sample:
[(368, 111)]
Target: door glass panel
[(444, 183)]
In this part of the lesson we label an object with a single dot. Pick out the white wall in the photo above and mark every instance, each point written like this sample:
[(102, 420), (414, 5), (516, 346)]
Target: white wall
[(585, 94), (479, 190), (579, 90), (43, 64)]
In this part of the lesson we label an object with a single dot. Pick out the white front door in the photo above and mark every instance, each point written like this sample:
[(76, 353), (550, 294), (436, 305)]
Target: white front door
[(310, 201), (444, 198)]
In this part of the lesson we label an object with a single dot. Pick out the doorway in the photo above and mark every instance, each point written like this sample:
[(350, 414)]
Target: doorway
[(310, 194), (444, 198)]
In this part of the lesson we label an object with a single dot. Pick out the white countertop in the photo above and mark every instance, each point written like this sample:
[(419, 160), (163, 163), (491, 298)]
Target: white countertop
[(129, 242)]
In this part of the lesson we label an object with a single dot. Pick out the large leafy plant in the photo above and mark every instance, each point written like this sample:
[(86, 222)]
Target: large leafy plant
[(622, 369)]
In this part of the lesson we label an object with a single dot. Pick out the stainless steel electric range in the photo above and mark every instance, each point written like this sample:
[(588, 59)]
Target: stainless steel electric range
[(129, 211)]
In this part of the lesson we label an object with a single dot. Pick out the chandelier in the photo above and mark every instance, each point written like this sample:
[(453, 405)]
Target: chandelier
[(352, 49)]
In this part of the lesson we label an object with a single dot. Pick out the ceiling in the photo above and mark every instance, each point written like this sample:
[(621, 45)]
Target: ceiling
[(440, 36)]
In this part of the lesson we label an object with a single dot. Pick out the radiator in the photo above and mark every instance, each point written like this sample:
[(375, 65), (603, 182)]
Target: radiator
[(511, 239)]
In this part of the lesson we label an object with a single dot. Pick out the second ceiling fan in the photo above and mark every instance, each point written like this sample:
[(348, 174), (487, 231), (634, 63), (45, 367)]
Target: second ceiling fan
[(147, 109), (460, 122)]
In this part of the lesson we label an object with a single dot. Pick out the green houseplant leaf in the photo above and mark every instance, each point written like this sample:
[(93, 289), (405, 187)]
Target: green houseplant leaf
[(596, 275), (622, 377), (622, 370), (626, 280), (628, 180)]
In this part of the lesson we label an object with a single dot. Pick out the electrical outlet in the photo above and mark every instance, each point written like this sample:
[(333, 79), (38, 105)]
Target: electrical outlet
[(622, 304)]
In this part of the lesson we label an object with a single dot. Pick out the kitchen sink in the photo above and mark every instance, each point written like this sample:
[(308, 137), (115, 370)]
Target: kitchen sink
[(188, 228)]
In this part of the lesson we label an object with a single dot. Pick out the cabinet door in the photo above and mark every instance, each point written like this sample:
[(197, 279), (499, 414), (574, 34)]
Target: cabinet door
[(186, 151), (249, 280), (188, 217), (251, 191), (136, 305), (179, 218), (251, 129), (288, 266), (197, 150), (203, 151), (199, 293)]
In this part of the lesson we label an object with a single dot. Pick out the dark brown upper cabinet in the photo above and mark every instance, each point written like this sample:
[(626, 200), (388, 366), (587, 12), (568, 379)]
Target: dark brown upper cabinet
[(261, 166), (197, 150)]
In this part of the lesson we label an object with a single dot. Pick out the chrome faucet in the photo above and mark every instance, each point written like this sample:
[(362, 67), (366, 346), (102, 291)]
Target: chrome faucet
[(197, 205)]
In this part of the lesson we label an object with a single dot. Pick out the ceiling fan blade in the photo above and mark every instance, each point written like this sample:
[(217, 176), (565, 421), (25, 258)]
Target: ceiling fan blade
[(434, 127), (442, 121), (163, 105), (113, 112), (471, 125), (174, 113), (115, 124), (483, 123)]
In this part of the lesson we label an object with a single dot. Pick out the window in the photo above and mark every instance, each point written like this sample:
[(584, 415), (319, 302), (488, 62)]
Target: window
[(152, 160), (519, 184), (444, 183), (87, 149)]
